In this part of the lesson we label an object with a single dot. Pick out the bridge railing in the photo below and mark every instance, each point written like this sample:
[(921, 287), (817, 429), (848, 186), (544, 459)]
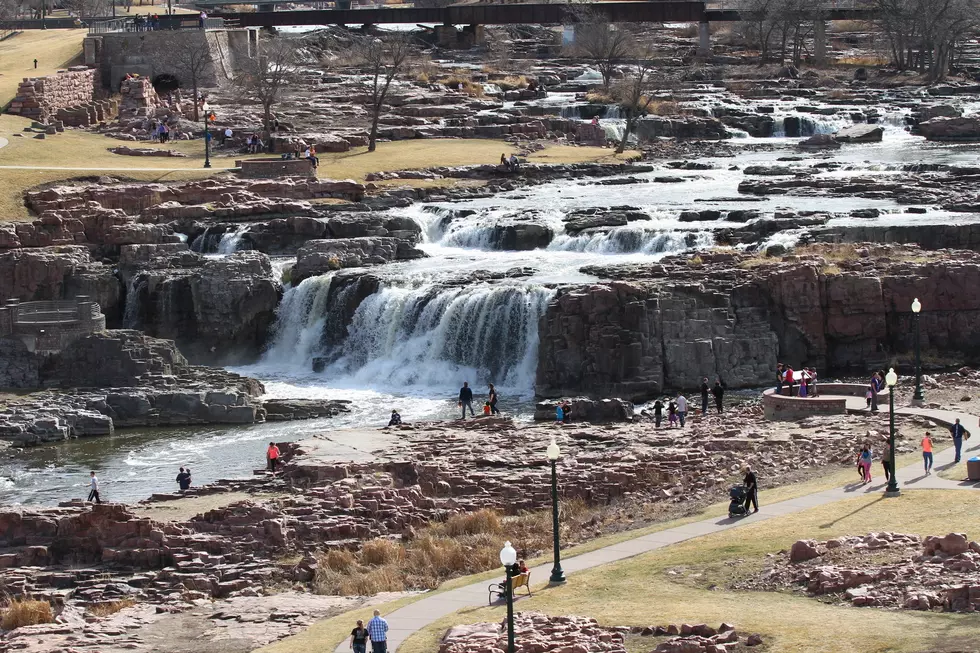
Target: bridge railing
[(736, 5)]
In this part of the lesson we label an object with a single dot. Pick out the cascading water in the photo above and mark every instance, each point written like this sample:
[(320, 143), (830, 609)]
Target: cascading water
[(629, 240), (231, 241), (298, 332), (435, 337), (131, 313)]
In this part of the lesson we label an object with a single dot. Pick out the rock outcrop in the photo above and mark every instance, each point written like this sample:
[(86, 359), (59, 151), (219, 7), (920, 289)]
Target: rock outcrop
[(319, 256), (951, 129)]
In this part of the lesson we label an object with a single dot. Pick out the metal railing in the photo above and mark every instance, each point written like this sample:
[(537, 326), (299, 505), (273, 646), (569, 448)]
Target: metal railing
[(167, 23)]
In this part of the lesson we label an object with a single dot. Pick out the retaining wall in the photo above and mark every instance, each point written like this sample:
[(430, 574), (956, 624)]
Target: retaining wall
[(40, 98)]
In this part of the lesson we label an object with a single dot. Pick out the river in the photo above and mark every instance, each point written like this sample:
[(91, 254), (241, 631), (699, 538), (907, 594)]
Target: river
[(431, 326)]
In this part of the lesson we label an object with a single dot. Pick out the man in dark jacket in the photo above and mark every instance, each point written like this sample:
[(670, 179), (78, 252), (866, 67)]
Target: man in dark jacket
[(751, 490), (466, 399), (719, 393), (704, 396), (958, 432)]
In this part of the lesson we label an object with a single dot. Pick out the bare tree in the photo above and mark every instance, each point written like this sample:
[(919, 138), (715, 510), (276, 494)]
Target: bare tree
[(382, 60), (262, 78), (634, 97), (191, 62), (923, 34), (606, 45)]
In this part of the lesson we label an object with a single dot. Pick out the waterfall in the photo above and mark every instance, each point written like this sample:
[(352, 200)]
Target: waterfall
[(207, 242), (614, 112), (134, 291), (630, 240), (437, 337), (231, 240), (300, 319)]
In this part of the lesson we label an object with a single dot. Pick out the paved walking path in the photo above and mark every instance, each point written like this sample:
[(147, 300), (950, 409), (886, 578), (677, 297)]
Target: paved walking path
[(408, 620)]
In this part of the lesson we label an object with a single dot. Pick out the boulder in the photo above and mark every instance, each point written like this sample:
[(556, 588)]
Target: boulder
[(951, 129), (860, 134), (803, 550), (819, 142), (317, 257), (584, 409)]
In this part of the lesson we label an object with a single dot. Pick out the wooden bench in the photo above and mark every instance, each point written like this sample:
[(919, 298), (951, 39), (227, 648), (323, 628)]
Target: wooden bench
[(499, 590)]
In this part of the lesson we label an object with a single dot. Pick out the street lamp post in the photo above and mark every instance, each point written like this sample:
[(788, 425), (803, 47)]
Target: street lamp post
[(508, 558), (557, 575), (207, 135), (890, 380), (918, 397)]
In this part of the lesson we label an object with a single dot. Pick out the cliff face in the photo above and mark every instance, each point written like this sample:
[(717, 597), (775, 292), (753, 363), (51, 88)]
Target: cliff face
[(667, 326)]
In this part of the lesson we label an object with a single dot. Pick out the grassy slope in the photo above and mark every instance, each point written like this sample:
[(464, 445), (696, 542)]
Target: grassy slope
[(639, 592), (54, 49)]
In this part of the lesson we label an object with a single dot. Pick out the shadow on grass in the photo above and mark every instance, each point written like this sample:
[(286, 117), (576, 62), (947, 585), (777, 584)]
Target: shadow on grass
[(852, 513)]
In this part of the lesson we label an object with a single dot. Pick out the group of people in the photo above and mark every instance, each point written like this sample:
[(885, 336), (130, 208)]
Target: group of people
[(376, 631), (807, 378), (563, 412), (149, 23), (510, 163), (465, 400), (254, 144), (302, 150), (866, 455), (876, 385)]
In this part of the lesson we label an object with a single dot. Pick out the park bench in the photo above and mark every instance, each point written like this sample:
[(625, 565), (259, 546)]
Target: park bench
[(499, 590)]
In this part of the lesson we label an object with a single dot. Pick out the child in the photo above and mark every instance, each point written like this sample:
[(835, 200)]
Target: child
[(486, 409), (559, 414), (868, 394), (522, 567), (672, 413), (866, 463)]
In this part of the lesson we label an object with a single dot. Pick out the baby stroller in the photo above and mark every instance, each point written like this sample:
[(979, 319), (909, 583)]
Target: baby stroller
[(737, 507)]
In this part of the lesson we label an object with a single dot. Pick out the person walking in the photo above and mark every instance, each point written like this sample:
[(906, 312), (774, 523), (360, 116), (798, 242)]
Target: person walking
[(672, 413), (958, 432), (466, 399), (886, 460), (358, 638), (272, 454), (751, 490), (681, 409), (927, 453), (704, 396), (93, 483), (378, 632), (492, 399), (658, 413), (719, 392)]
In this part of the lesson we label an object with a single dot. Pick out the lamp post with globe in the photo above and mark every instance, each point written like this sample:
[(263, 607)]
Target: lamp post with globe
[(918, 397), (890, 380), (508, 558), (557, 575)]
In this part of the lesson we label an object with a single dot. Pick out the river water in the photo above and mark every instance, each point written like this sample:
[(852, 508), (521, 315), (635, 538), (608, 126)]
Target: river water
[(432, 325)]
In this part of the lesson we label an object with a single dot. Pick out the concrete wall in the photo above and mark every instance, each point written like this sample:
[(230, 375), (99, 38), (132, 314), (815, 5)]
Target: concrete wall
[(147, 53), (39, 98)]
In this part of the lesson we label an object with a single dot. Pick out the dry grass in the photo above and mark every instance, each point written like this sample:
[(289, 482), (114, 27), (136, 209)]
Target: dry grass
[(598, 97), (26, 612), (640, 591), (469, 87), (54, 49), (866, 60), (847, 26), (511, 82), (110, 607), (664, 108)]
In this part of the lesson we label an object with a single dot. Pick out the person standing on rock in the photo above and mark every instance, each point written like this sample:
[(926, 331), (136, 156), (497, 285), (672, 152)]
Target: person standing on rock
[(492, 399), (183, 479), (358, 638), (958, 432), (681, 409), (704, 396), (719, 392), (790, 379), (272, 454), (378, 632), (751, 490), (396, 418), (93, 484), (780, 377), (927, 453), (671, 413), (658, 412), (466, 399)]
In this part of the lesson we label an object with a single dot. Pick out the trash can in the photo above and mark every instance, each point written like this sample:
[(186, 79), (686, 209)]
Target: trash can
[(973, 469)]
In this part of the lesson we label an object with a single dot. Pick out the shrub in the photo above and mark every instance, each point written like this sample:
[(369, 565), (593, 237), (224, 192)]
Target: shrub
[(338, 560), (664, 108), (26, 612), (110, 607), (511, 82), (473, 523), (381, 552), (469, 86), (596, 97)]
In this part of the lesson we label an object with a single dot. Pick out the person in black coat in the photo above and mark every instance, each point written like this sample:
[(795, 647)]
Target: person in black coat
[(704, 396), (719, 392), (466, 399), (751, 490)]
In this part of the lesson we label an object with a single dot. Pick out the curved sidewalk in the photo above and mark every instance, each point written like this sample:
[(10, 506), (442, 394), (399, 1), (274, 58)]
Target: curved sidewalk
[(412, 618)]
